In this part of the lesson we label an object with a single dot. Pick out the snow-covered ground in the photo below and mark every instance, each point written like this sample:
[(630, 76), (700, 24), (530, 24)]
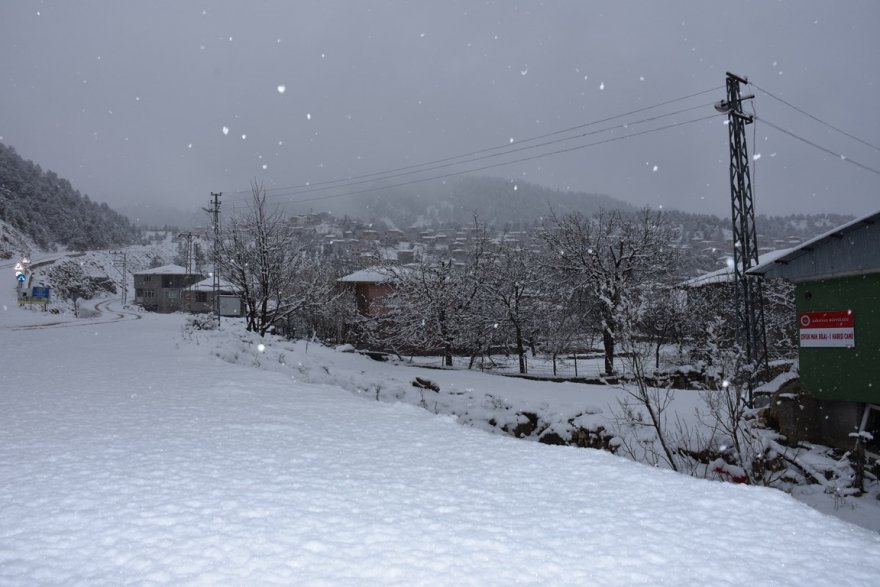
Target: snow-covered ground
[(134, 452)]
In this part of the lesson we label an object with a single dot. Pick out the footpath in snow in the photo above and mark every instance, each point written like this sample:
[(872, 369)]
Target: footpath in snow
[(132, 454)]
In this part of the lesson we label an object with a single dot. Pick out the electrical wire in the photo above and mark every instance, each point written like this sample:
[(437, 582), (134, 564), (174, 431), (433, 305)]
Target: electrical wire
[(816, 118), (517, 149), (430, 164), (501, 164), (820, 147)]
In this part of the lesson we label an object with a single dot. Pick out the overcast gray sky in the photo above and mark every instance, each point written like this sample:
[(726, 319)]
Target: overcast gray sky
[(167, 101)]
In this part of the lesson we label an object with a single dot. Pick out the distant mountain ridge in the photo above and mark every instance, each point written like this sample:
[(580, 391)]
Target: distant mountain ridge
[(47, 209), (496, 203)]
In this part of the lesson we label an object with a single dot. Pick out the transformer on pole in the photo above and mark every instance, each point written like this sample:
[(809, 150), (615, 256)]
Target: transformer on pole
[(748, 295)]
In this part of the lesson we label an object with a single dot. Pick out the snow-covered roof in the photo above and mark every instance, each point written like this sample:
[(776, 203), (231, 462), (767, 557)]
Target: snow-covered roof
[(369, 275), (208, 285), (850, 249), (725, 274), (164, 270)]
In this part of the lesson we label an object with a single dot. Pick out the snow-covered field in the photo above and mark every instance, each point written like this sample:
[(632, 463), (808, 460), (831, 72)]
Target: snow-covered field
[(131, 452)]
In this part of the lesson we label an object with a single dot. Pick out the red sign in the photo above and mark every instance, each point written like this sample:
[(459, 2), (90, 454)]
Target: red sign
[(827, 329)]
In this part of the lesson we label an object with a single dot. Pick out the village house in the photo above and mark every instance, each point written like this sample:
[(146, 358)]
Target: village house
[(201, 298), (370, 286), (161, 289)]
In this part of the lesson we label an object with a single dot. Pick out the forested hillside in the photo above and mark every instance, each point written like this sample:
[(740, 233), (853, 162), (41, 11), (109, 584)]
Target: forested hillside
[(49, 210), (497, 202)]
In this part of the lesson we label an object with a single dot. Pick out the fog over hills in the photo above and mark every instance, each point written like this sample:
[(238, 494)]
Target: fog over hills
[(495, 202)]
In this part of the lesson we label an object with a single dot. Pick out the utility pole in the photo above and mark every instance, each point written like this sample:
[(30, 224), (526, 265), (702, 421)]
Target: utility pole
[(120, 261), (189, 269), (215, 216), (748, 295)]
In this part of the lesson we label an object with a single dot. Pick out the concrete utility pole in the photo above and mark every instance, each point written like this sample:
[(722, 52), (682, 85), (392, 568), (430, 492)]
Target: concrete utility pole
[(215, 214), (748, 297)]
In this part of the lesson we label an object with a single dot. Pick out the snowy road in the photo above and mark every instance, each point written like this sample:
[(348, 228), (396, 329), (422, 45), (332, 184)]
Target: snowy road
[(92, 313), (129, 455)]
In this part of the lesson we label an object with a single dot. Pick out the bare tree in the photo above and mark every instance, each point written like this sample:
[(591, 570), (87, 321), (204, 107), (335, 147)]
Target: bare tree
[(269, 265), (610, 256), (665, 318), (432, 307), (512, 292), (425, 312)]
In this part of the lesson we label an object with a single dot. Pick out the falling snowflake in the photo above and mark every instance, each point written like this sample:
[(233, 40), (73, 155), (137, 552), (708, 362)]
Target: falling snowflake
[(524, 70), (226, 130), (265, 166), (756, 156), (189, 146), (601, 85), (282, 88), (511, 140), (655, 168), (308, 115), (243, 137), (515, 187), (261, 347)]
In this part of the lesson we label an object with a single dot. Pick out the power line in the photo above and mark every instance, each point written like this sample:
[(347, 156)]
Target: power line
[(501, 164), (518, 149), (429, 164), (816, 118), (813, 144)]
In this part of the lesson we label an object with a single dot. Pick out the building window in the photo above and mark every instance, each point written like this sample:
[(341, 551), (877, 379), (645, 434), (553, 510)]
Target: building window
[(149, 294), (171, 295), (147, 278)]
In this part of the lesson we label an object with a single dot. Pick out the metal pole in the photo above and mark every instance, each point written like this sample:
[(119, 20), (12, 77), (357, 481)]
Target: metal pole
[(216, 281), (748, 295)]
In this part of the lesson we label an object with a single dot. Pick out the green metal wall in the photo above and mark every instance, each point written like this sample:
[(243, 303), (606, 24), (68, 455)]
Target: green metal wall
[(851, 374)]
